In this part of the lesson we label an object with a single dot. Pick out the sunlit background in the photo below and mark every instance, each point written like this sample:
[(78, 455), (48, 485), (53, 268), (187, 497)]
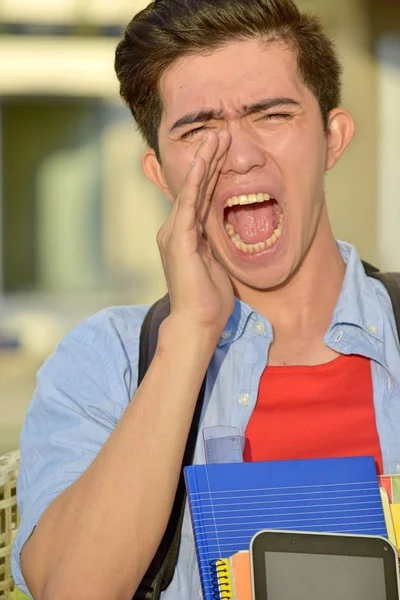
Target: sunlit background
[(77, 218)]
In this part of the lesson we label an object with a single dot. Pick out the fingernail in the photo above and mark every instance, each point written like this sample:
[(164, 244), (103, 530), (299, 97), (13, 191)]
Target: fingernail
[(221, 132), (205, 136)]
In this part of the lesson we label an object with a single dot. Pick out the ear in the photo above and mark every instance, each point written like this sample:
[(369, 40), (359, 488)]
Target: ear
[(341, 130), (154, 172)]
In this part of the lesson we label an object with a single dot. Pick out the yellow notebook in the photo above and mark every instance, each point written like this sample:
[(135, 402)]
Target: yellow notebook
[(18, 595), (232, 577), (390, 494)]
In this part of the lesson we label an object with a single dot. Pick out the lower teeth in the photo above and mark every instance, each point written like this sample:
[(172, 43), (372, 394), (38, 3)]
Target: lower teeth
[(254, 248)]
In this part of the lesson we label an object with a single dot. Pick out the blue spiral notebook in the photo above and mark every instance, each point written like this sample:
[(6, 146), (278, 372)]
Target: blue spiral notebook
[(229, 503)]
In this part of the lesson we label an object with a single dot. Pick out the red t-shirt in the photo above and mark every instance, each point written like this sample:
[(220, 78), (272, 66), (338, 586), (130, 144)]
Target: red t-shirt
[(315, 412)]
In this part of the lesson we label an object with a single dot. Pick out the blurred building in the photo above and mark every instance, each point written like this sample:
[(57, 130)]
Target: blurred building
[(73, 224), (77, 218)]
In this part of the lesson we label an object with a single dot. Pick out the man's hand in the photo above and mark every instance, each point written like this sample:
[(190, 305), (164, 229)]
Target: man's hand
[(144, 452), (200, 290)]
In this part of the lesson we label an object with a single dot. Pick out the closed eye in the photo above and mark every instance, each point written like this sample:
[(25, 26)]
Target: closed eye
[(273, 116), (192, 132)]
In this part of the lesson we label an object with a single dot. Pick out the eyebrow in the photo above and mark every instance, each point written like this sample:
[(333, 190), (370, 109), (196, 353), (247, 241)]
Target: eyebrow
[(203, 116), (268, 103)]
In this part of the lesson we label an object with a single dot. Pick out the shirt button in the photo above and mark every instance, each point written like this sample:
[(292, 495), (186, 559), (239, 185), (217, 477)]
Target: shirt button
[(226, 335), (373, 328), (259, 327), (339, 336), (244, 400)]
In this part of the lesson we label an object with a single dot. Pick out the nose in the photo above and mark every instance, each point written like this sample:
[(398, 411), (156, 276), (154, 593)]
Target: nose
[(245, 152)]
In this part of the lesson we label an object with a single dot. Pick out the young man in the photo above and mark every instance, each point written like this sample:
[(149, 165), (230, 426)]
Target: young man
[(239, 102)]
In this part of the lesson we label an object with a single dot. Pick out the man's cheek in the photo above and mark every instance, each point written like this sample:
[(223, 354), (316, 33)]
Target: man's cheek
[(174, 181), (178, 170)]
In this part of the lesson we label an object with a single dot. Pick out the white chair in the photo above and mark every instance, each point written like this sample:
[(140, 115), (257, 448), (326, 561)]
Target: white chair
[(9, 519)]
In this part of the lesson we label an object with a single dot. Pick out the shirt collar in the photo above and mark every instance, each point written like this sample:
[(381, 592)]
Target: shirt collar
[(237, 322), (357, 305)]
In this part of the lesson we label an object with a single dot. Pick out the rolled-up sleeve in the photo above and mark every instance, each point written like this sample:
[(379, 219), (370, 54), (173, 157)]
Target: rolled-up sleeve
[(82, 391)]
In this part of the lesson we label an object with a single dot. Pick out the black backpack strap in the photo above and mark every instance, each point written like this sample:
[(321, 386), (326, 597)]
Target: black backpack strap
[(161, 570), (149, 334), (369, 269), (391, 281)]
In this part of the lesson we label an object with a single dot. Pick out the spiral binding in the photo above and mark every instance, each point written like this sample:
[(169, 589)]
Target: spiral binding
[(221, 583)]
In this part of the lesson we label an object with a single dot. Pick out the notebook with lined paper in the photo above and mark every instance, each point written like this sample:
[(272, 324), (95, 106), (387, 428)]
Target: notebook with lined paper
[(229, 503)]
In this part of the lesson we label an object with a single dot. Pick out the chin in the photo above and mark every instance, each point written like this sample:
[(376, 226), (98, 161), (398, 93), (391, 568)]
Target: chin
[(263, 282)]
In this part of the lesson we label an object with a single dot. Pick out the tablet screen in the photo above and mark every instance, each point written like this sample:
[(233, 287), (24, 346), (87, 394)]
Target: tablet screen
[(299, 576)]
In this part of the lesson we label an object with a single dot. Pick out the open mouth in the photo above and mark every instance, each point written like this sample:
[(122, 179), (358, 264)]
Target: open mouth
[(253, 221)]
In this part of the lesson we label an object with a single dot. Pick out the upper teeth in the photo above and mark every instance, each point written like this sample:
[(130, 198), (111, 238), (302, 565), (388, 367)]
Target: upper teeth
[(247, 199)]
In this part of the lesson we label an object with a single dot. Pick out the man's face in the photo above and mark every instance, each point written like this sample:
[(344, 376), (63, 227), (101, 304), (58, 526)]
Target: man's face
[(273, 175)]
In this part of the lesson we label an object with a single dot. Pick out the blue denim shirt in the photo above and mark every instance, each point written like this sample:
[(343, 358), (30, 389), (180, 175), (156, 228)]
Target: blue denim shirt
[(85, 386)]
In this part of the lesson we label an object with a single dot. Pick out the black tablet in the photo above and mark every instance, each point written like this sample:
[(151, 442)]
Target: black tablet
[(318, 566)]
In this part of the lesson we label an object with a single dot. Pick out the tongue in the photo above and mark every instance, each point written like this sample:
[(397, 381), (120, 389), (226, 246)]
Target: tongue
[(255, 222)]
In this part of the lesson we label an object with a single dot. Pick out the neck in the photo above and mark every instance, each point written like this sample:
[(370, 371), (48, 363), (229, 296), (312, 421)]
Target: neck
[(305, 303)]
